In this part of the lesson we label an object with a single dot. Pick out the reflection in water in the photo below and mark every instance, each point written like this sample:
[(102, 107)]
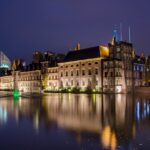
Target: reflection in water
[(113, 118)]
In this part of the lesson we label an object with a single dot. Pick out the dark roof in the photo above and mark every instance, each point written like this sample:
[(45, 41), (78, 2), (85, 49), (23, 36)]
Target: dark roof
[(139, 60), (93, 52)]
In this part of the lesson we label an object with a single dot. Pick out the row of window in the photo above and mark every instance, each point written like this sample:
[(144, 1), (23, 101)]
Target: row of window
[(76, 83), (35, 84), (112, 74), (53, 77), (89, 72), (78, 65), (52, 71), (30, 78), (138, 68)]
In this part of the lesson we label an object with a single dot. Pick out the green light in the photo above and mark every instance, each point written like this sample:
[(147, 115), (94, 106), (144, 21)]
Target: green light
[(16, 93)]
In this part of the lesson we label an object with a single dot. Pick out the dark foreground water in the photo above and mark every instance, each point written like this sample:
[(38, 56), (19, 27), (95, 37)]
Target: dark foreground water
[(75, 122)]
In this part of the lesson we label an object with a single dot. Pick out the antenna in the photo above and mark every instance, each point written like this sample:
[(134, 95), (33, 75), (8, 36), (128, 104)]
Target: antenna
[(115, 34), (129, 34), (121, 35)]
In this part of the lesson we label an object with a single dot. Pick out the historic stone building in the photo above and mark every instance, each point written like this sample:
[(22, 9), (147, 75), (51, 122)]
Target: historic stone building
[(29, 81), (52, 79), (110, 69), (147, 71), (139, 71), (82, 69), (6, 82)]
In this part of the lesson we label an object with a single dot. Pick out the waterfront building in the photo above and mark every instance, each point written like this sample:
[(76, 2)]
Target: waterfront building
[(147, 71), (81, 69), (117, 68), (6, 82), (139, 71), (29, 81), (112, 69), (113, 76), (52, 83)]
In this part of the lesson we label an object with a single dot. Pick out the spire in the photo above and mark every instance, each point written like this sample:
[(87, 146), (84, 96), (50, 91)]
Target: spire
[(121, 34), (115, 34), (78, 46), (129, 34), (143, 55)]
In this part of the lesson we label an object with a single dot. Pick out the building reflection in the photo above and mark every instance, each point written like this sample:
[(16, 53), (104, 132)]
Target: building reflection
[(115, 119)]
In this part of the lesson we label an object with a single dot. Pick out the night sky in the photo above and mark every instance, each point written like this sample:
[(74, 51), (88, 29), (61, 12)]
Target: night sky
[(57, 25)]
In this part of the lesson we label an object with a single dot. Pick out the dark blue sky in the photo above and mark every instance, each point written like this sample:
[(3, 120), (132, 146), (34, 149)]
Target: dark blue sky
[(57, 25)]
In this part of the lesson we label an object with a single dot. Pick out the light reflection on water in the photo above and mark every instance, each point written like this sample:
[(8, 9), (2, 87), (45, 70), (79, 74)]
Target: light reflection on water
[(89, 121)]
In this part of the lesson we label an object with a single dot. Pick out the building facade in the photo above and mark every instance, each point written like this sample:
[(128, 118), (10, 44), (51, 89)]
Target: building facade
[(110, 69)]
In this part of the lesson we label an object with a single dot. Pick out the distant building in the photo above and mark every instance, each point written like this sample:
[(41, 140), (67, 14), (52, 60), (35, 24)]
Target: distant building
[(139, 71), (37, 57), (147, 71), (5, 64), (4, 61)]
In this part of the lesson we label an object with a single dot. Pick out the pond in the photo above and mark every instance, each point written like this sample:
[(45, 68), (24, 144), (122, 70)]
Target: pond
[(75, 122)]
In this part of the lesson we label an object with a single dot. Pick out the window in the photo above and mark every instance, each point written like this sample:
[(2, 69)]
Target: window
[(96, 71), (83, 83), (96, 62), (106, 73), (89, 72), (71, 82), (66, 73), (83, 64), (66, 83), (96, 82), (83, 72), (77, 73), (111, 74), (71, 73), (89, 64), (61, 74)]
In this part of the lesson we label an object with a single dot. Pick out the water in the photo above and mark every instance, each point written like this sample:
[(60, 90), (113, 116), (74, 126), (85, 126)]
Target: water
[(75, 122)]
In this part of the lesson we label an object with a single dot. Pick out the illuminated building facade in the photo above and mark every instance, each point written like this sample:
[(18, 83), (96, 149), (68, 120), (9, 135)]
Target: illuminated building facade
[(147, 71), (29, 81), (6, 82), (52, 79), (139, 71), (110, 69), (81, 69), (117, 71)]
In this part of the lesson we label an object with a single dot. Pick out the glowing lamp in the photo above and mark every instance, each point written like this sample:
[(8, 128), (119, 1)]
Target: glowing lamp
[(16, 93)]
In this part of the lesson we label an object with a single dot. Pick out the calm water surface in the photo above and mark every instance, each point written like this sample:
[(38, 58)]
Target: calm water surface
[(75, 122)]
